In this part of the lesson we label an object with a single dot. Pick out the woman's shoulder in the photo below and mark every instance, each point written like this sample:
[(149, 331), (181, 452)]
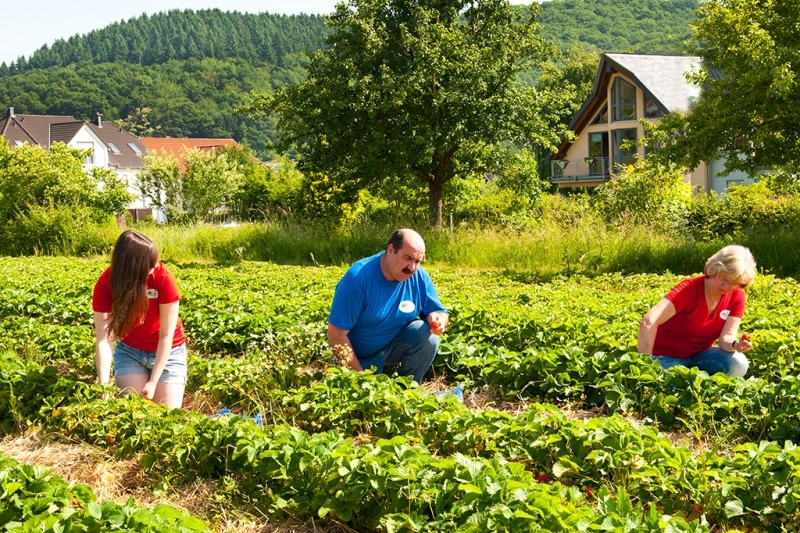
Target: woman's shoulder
[(686, 288), (161, 272)]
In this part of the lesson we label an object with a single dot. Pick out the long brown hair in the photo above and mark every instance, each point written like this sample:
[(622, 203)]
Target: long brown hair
[(133, 257)]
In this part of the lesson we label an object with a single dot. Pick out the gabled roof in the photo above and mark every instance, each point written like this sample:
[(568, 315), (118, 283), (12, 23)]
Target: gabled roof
[(662, 77), (36, 129), (65, 131), (115, 137), (43, 130)]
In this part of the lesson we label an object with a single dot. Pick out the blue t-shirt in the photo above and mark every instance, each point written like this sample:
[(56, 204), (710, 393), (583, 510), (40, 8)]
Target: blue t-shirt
[(374, 310)]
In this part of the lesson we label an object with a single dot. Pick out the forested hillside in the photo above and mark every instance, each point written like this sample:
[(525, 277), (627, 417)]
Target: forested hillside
[(183, 35), (621, 26), (183, 73)]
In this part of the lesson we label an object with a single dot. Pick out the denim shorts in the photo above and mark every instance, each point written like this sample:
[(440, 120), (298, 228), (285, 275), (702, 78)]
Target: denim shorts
[(129, 360)]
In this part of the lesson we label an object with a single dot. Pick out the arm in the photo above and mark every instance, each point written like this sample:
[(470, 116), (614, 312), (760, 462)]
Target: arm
[(727, 336), (657, 315), (168, 321), (102, 353), (338, 337)]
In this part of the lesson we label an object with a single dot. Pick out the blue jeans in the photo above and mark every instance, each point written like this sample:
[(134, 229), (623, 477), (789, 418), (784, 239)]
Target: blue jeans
[(414, 349), (129, 360), (712, 360)]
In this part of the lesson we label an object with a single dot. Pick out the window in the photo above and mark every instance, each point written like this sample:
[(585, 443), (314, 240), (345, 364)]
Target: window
[(598, 152), (652, 109), (113, 148), (623, 100), (87, 146), (596, 144), (602, 116), (624, 156), (134, 148)]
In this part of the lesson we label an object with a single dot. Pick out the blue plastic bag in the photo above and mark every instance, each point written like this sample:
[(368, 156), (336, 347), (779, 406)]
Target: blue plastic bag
[(258, 419), (458, 392)]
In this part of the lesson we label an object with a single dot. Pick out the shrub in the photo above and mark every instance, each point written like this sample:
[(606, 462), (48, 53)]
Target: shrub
[(758, 207), (648, 193), (58, 230)]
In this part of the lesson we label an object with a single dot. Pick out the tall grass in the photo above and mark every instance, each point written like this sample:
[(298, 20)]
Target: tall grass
[(584, 246)]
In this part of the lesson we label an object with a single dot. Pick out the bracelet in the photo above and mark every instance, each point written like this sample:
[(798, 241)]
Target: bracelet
[(733, 344)]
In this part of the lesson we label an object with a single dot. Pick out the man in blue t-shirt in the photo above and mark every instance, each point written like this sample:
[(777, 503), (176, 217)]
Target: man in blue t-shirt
[(386, 311)]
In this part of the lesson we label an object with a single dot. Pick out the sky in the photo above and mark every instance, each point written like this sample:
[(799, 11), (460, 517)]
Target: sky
[(27, 27)]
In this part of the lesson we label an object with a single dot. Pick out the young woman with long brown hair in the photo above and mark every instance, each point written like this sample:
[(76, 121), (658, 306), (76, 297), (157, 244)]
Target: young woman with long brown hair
[(136, 301)]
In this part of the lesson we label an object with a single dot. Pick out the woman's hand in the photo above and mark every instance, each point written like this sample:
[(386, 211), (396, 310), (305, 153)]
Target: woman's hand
[(149, 390), (743, 344)]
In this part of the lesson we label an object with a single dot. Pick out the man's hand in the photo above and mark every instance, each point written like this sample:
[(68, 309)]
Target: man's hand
[(342, 349), (438, 322)]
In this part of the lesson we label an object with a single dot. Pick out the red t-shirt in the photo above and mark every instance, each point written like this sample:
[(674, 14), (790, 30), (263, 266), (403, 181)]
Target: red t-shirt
[(693, 328), (161, 289)]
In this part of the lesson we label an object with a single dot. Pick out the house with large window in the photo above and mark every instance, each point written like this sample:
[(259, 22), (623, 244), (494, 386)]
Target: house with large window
[(627, 88)]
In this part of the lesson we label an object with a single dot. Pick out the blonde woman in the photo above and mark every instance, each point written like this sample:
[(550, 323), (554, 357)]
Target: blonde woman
[(135, 301), (684, 326)]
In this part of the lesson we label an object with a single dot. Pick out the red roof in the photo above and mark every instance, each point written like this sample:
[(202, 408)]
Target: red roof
[(173, 146)]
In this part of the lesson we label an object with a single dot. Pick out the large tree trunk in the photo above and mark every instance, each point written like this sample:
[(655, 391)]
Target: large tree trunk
[(435, 188)]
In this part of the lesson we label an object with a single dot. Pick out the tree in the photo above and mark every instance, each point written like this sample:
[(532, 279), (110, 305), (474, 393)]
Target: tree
[(209, 182), (50, 203), (31, 175), (750, 80), (413, 89)]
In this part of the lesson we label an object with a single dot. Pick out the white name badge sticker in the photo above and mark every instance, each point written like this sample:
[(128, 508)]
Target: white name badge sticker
[(724, 314), (152, 293), (407, 306)]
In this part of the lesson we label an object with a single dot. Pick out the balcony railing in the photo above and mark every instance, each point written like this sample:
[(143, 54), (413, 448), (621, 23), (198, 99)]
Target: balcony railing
[(577, 170)]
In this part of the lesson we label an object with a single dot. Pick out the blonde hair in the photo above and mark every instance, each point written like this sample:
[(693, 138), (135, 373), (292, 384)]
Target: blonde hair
[(734, 263)]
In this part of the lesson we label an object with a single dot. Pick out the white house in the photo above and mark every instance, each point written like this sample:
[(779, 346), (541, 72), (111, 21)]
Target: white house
[(112, 146)]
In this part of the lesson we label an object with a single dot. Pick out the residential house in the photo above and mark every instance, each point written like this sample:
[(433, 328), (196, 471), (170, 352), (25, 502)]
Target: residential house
[(629, 87), (111, 146)]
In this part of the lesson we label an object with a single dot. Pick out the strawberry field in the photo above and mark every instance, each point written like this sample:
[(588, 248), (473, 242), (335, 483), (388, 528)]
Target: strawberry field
[(675, 451)]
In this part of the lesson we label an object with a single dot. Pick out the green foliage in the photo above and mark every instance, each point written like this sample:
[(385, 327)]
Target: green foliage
[(209, 182), (266, 192), (184, 35), (571, 82), (630, 26), (32, 175), (401, 90), (756, 207), (646, 193), (50, 204), (478, 201), (325, 201), (749, 77), (370, 450), (183, 73), (58, 230), (33, 496)]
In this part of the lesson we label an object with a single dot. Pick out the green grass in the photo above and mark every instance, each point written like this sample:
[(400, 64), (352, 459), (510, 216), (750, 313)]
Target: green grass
[(564, 244), (586, 247)]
